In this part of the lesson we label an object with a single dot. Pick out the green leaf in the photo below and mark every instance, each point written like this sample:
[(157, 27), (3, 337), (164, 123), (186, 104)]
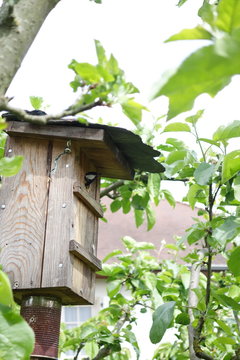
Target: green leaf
[(195, 235), (131, 338), (91, 349), (17, 338), (202, 72), (178, 144), (10, 166), (204, 173), (193, 194), (133, 110), (206, 12), (181, 2), (162, 318), (175, 156), (151, 218), (233, 262), (139, 217), (6, 296), (193, 119), (228, 17), (87, 72), (183, 319), (227, 301), (3, 123), (112, 254), (113, 287), (177, 126), (231, 165), (191, 34), (102, 59), (154, 181), (36, 102), (168, 196), (227, 231), (224, 340), (115, 205), (229, 131)]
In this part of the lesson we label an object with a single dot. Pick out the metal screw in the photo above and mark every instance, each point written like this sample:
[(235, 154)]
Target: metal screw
[(64, 205), (67, 165), (33, 319), (16, 284), (3, 207), (9, 150), (60, 265)]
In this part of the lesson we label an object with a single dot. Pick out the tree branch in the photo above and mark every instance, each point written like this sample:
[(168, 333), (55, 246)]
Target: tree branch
[(43, 119), (111, 187)]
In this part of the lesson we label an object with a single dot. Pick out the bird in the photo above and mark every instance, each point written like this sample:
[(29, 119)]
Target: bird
[(89, 178)]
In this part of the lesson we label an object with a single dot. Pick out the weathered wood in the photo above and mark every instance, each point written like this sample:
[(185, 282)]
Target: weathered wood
[(96, 143), (87, 199), (23, 210), (80, 252)]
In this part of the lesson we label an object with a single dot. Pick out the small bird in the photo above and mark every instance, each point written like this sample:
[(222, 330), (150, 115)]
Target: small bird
[(89, 178)]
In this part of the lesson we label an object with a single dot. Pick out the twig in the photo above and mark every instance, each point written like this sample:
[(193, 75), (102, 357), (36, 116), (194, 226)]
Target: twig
[(43, 119), (111, 187)]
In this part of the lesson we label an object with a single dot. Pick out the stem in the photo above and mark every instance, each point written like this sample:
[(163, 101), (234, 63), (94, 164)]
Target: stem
[(199, 142), (111, 187)]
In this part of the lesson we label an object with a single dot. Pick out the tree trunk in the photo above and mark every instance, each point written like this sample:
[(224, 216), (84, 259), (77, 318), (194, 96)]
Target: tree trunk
[(17, 31)]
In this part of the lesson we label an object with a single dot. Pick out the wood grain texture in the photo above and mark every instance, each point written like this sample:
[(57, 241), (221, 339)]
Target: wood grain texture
[(23, 200), (87, 199), (81, 253)]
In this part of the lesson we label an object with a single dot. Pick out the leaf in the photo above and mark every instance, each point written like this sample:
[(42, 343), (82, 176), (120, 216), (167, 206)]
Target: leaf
[(224, 340), (131, 338), (162, 318), (193, 119), (102, 59), (115, 205), (183, 319), (16, 336), (231, 165), (113, 287), (177, 126), (228, 17), (193, 194), (139, 217), (36, 102), (227, 231), (195, 235), (206, 12), (10, 166), (181, 2), (191, 34), (6, 296), (151, 218), (112, 254), (229, 131), (204, 173), (202, 72), (86, 71), (168, 196), (233, 262), (154, 181), (133, 110), (227, 301), (91, 348)]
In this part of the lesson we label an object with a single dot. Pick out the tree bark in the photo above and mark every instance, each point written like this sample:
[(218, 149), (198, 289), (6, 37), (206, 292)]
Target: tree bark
[(17, 31)]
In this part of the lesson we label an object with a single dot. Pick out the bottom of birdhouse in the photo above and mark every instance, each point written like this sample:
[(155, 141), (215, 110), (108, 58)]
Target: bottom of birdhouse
[(66, 295)]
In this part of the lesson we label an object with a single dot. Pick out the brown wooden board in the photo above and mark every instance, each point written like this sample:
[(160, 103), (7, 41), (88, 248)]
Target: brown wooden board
[(23, 202)]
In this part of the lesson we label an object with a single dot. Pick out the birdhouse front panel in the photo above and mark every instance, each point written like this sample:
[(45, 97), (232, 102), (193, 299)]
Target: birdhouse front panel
[(49, 221)]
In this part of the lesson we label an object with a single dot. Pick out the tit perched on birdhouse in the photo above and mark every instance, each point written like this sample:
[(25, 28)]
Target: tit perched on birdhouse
[(89, 178)]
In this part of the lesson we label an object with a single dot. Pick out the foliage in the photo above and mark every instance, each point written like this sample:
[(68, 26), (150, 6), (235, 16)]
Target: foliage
[(210, 68), (16, 337)]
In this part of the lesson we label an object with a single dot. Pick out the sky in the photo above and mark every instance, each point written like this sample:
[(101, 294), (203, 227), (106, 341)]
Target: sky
[(134, 31)]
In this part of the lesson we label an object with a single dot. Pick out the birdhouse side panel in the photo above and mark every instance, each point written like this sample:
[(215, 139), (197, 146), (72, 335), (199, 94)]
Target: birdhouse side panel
[(23, 203)]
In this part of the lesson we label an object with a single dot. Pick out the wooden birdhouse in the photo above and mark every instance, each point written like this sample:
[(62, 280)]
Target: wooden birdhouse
[(49, 211)]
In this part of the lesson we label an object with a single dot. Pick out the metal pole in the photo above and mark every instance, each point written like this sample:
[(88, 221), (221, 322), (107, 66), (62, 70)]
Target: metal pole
[(43, 314)]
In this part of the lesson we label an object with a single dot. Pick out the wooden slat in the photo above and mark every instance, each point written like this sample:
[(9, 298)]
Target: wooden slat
[(87, 199), (81, 253), (23, 200)]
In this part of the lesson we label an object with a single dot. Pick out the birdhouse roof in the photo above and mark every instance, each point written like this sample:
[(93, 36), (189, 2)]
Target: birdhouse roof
[(116, 151)]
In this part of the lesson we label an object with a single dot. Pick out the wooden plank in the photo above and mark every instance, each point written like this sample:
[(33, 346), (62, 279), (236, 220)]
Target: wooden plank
[(85, 136), (87, 199), (23, 207), (81, 253)]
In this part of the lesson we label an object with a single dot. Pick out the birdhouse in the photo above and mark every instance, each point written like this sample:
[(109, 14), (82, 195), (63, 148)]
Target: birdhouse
[(49, 211)]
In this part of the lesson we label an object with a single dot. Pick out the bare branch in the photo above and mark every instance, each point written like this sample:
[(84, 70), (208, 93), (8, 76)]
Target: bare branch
[(43, 119), (111, 187)]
